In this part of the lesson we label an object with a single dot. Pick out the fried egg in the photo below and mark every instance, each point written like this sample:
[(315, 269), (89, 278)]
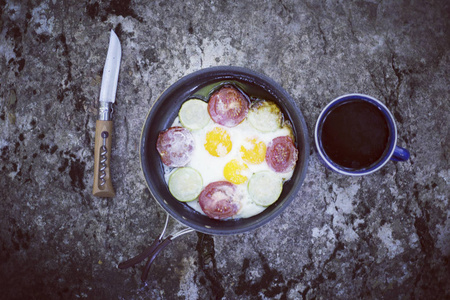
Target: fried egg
[(233, 154)]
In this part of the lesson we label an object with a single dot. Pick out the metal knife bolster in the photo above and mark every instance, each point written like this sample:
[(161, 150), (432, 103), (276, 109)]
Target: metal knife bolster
[(105, 111)]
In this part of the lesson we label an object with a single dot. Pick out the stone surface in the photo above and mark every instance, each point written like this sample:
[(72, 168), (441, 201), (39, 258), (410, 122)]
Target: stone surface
[(382, 236)]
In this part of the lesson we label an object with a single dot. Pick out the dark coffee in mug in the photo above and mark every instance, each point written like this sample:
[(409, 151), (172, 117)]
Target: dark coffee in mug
[(355, 134)]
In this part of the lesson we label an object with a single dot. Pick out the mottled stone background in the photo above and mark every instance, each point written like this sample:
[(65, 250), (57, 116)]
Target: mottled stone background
[(382, 236)]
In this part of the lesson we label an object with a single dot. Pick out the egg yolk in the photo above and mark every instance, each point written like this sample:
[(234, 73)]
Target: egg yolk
[(218, 142), (232, 171), (253, 151)]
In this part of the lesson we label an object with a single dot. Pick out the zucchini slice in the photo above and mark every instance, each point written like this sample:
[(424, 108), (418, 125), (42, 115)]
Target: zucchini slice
[(185, 184), (194, 114), (265, 188), (265, 116)]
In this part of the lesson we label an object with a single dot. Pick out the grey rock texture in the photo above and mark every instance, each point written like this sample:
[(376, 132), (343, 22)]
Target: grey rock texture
[(382, 236)]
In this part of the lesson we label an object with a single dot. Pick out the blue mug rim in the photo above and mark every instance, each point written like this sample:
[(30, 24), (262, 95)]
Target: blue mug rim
[(392, 131)]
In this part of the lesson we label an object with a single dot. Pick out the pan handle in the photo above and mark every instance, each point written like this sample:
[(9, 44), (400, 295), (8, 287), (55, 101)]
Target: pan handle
[(153, 250), (152, 257), (137, 259), (163, 244), (147, 252)]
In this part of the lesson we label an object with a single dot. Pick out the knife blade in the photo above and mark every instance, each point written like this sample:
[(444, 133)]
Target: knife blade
[(104, 126)]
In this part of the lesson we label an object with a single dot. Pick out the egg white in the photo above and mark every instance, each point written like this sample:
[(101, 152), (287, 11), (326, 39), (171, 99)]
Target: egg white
[(211, 167)]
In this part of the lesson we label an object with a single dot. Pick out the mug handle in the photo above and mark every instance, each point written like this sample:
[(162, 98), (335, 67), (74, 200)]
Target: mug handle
[(400, 154)]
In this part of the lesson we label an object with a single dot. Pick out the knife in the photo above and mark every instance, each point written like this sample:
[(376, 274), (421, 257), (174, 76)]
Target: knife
[(103, 128)]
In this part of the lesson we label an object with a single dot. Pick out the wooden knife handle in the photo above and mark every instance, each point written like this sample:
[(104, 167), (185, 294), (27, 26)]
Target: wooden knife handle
[(102, 178)]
